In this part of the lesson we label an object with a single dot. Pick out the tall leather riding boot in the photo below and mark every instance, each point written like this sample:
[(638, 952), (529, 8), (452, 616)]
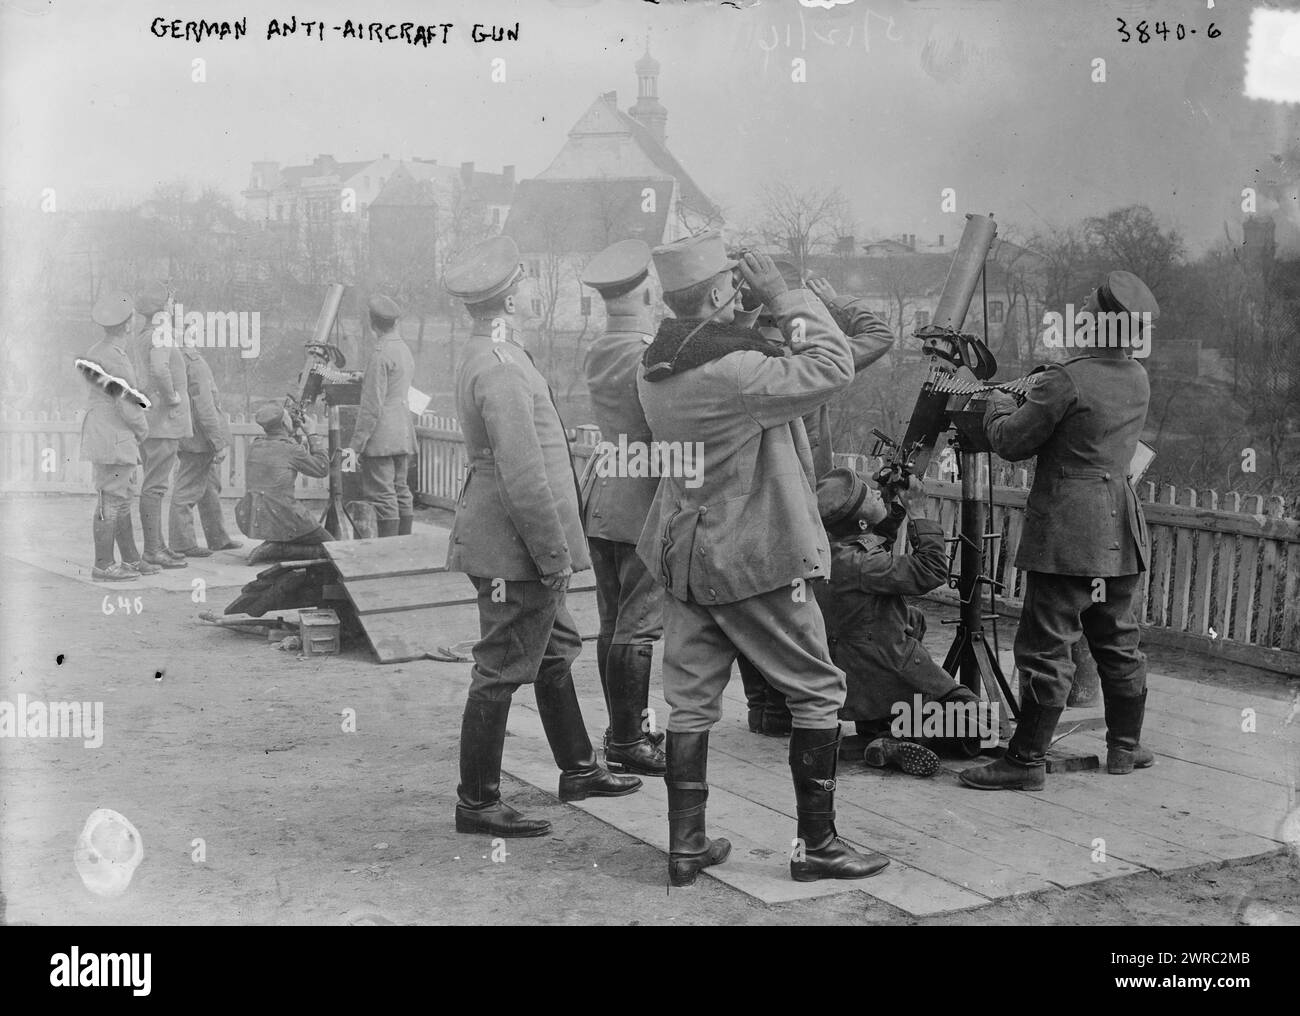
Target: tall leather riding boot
[(629, 750), (480, 808), (776, 714), (755, 693), (387, 527), (689, 849), (105, 531), (602, 668), (151, 526), (1024, 766), (821, 853), (581, 775), (1124, 751), (125, 535), (405, 523)]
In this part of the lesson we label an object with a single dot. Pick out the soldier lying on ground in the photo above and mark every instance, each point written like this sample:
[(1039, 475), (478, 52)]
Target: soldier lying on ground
[(874, 634), (270, 511)]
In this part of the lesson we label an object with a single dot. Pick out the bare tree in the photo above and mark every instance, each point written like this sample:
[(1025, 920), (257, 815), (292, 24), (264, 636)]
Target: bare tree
[(802, 220)]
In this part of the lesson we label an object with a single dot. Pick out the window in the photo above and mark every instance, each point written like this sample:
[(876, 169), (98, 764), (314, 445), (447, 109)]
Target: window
[(534, 268), (922, 319), (995, 312), (537, 307), (586, 306), (496, 217), (646, 296)]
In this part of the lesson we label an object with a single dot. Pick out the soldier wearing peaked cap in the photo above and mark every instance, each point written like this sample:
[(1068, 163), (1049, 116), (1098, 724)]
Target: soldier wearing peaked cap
[(161, 370), (1084, 532), (518, 535), (735, 553), (615, 505), (384, 436), (870, 338), (874, 634), (110, 432), (270, 511)]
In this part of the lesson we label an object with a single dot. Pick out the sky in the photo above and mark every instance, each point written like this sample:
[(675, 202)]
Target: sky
[(902, 99)]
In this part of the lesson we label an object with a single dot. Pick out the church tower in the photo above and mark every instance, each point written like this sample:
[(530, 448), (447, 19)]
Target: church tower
[(649, 111)]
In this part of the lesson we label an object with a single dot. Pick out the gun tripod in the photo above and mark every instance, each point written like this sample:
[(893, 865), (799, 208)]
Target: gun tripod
[(971, 659)]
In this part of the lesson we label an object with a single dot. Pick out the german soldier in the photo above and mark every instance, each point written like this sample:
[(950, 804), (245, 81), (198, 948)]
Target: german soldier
[(110, 432), (198, 467), (1084, 534), (384, 437), (518, 535), (161, 370), (269, 510), (615, 506), (870, 338), (735, 552)]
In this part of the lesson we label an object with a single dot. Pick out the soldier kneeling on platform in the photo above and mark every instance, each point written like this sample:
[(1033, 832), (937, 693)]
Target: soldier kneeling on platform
[(270, 511), (874, 634)]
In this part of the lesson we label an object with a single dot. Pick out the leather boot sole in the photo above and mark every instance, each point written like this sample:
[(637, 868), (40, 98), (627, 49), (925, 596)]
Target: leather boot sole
[(1002, 775), (912, 759), (684, 869), (468, 822)]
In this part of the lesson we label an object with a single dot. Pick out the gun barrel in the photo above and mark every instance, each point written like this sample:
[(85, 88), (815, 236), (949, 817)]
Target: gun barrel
[(963, 275), (328, 312)]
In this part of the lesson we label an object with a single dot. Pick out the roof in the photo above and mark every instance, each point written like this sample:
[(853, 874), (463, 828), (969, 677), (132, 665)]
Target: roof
[(689, 192), (293, 176), (585, 216)]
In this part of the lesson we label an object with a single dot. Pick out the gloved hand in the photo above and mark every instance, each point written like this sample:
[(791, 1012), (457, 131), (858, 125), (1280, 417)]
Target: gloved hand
[(762, 277), (558, 580)]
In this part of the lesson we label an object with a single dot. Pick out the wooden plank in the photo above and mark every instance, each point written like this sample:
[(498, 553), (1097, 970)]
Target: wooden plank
[(1165, 687), (1291, 611), (1181, 589), (992, 825), (1163, 539), (760, 834), (1219, 796), (1280, 661), (1241, 618), (392, 555), (1225, 564), (1201, 589), (1266, 627)]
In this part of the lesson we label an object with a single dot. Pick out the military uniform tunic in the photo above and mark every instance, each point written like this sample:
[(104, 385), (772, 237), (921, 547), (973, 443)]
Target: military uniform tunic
[(112, 428), (736, 553), (384, 434), (615, 507), (270, 511), (1084, 532), (517, 518)]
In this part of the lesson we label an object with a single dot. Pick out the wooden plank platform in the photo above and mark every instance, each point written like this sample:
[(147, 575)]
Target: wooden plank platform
[(1216, 794)]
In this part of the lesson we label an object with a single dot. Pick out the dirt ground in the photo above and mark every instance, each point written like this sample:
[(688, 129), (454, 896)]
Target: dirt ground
[(219, 738)]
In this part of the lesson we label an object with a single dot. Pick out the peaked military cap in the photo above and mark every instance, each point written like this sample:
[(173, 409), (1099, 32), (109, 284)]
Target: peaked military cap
[(485, 271), (111, 310), (691, 260), (1124, 292), (617, 265), (269, 414), (384, 307), (843, 495), (152, 299)]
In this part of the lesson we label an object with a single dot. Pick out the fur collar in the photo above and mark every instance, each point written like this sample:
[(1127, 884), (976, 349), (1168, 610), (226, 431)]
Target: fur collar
[(714, 341)]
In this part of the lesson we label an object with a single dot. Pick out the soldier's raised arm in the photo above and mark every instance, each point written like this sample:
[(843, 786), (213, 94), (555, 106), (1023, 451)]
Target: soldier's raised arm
[(778, 389), (1018, 432)]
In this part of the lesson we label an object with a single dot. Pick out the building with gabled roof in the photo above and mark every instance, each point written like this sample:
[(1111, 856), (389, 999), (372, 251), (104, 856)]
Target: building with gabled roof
[(613, 179)]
